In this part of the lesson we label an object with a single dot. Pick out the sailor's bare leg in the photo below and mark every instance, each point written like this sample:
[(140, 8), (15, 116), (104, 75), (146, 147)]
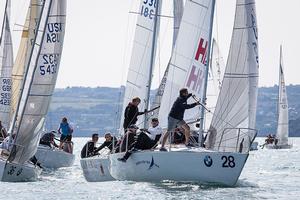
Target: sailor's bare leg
[(187, 133), (166, 135)]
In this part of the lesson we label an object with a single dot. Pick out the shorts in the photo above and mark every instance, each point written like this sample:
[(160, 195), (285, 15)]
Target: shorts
[(65, 138), (173, 123)]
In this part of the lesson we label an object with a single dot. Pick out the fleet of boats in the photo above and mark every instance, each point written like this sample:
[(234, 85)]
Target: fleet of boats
[(227, 95)]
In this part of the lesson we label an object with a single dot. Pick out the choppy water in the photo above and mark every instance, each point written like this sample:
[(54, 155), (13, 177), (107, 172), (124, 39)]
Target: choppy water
[(268, 174)]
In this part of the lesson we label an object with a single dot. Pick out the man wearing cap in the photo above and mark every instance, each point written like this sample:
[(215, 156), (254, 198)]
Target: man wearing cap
[(110, 142), (147, 139), (129, 137), (48, 139), (176, 115), (89, 148)]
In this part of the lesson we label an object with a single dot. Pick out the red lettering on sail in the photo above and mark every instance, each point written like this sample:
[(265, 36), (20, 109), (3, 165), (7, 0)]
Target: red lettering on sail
[(195, 79), (201, 51)]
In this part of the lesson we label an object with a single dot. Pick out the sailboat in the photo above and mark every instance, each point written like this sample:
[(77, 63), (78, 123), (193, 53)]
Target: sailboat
[(139, 76), (220, 162), (281, 139), (6, 65), (41, 65)]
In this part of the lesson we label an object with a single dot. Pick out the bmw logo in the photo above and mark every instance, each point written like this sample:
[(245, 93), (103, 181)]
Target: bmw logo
[(208, 161)]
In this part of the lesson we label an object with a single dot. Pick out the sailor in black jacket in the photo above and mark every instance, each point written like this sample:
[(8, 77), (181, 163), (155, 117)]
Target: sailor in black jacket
[(175, 118), (131, 113)]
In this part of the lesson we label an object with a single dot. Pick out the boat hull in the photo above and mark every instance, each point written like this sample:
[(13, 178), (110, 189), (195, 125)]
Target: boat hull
[(188, 166), (13, 172), (54, 158), (284, 146), (96, 169)]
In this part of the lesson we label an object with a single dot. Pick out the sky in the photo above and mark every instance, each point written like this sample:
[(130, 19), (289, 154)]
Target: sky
[(99, 35)]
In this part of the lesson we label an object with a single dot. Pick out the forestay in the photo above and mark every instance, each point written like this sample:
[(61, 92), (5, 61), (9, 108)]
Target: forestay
[(142, 56), (233, 123), (40, 79), (188, 65), (6, 64), (177, 13), (214, 81), (283, 118)]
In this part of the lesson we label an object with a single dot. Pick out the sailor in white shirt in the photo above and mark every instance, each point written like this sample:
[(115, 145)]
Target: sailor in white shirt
[(147, 139)]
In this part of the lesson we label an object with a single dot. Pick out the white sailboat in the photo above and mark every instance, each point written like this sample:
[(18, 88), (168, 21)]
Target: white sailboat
[(53, 157), (282, 134), (188, 68), (36, 88), (6, 65), (138, 80)]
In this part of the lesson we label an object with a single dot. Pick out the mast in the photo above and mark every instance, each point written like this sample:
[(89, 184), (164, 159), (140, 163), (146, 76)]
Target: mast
[(152, 61), (201, 128)]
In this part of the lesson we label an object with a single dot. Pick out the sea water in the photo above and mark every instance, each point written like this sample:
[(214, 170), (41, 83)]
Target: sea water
[(268, 174)]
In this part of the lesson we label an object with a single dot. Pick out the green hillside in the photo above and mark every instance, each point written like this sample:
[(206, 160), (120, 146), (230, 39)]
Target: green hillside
[(98, 109)]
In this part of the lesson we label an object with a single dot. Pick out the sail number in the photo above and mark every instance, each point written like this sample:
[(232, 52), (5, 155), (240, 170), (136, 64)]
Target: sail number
[(5, 95), (49, 64), (228, 161), (148, 8)]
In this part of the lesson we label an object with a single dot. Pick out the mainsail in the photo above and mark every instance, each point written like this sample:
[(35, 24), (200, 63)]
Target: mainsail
[(177, 13), (233, 123), (39, 81), (142, 56), (6, 64), (283, 115), (188, 65)]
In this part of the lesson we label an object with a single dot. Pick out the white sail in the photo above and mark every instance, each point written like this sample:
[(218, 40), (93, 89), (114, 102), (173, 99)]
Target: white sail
[(6, 64), (214, 81), (177, 13), (24, 51), (142, 56), (233, 123), (40, 79), (188, 65), (283, 111)]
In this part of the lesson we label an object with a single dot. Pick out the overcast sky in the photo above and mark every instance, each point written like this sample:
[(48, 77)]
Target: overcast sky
[(99, 35)]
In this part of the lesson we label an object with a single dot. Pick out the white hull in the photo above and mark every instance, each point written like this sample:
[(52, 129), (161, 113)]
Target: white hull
[(13, 172), (284, 146), (182, 165), (54, 158), (96, 169)]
